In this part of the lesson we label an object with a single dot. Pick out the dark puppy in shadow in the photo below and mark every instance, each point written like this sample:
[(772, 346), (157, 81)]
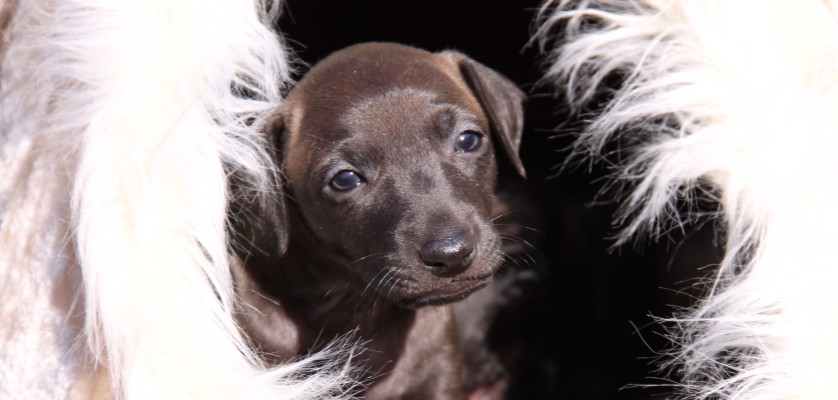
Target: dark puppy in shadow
[(385, 216)]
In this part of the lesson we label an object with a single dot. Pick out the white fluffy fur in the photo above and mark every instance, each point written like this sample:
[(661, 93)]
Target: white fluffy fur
[(751, 89), (116, 122)]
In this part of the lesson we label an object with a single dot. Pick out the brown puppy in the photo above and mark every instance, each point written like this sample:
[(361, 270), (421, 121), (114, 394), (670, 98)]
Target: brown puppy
[(389, 165)]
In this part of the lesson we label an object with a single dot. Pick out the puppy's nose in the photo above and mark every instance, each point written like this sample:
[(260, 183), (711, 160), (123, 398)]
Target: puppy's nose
[(449, 255)]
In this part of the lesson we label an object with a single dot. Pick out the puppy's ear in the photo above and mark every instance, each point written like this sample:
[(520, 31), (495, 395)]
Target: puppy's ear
[(275, 213), (502, 102)]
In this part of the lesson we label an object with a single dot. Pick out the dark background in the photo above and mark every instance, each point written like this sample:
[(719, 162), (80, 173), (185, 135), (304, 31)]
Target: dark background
[(589, 333)]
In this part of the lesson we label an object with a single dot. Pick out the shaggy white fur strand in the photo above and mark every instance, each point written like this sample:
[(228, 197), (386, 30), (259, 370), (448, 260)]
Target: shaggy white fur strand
[(119, 123), (750, 93)]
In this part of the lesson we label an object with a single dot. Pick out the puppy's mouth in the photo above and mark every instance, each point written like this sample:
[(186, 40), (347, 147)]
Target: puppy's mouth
[(413, 283), (458, 288)]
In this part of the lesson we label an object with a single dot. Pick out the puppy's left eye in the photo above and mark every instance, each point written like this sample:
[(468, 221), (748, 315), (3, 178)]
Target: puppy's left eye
[(346, 180), (468, 142)]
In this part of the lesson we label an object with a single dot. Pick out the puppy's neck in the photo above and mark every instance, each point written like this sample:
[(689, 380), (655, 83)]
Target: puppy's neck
[(332, 300), (320, 300)]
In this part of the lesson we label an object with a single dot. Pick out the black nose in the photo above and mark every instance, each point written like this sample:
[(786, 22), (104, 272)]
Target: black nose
[(448, 255)]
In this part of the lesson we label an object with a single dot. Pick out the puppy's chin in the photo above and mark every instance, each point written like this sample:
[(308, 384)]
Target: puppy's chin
[(407, 282), (421, 288), (451, 293)]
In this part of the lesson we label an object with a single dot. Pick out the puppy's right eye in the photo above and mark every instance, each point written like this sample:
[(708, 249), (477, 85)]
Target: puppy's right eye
[(468, 142), (346, 180)]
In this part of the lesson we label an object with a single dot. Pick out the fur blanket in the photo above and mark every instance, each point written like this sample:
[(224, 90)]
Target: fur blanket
[(119, 124), (740, 98)]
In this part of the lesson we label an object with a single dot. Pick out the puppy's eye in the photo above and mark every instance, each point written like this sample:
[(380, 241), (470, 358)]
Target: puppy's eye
[(346, 180), (468, 141)]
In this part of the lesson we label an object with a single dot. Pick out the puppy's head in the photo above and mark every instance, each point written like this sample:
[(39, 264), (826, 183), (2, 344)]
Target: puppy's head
[(389, 154)]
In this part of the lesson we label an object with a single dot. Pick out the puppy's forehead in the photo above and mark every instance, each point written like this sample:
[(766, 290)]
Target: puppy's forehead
[(343, 87), (403, 113)]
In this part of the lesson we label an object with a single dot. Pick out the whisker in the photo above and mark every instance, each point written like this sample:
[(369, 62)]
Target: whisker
[(383, 283), (518, 260), (497, 217), (502, 259), (380, 285), (532, 260), (526, 259), (383, 270), (366, 257), (396, 282), (514, 238), (514, 260), (529, 228)]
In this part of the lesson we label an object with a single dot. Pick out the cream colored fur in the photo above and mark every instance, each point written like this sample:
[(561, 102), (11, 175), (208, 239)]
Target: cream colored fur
[(119, 121), (751, 89)]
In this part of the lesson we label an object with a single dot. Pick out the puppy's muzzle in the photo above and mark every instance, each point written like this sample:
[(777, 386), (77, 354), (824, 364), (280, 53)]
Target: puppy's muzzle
[(449, 254)]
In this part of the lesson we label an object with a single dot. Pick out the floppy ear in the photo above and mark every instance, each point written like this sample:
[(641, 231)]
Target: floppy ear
[(275, 223), (257, 218), (502, 102)]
